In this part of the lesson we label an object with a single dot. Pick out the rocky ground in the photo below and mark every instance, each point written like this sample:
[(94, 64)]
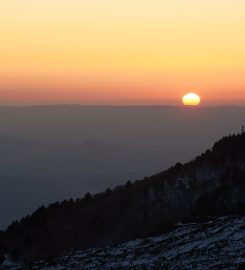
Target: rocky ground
[(216, 244)]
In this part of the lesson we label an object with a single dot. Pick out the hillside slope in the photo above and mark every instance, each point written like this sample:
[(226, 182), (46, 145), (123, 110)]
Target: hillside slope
[(68, 150), (211, 185), (217, 244)]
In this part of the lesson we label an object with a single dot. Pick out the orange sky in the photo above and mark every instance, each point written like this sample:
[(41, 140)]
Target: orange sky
[(122, 51)]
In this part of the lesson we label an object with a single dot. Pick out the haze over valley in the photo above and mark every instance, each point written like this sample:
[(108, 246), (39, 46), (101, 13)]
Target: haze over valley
[(50, 153)]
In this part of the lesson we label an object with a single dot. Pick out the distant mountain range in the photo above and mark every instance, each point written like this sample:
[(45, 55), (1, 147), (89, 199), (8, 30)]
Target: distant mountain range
[(211, 185), (36, 172), (27, 157), (49, 153)]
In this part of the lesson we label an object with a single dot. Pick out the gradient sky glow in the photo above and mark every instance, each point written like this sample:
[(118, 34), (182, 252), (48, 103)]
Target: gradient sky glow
[(122, 51)]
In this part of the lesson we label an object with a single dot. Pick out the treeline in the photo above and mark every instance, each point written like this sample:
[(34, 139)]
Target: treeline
[(137, 209)]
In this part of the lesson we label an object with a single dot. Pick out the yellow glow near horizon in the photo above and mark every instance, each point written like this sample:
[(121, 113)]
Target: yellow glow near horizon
[(191, 99), (123, 51)]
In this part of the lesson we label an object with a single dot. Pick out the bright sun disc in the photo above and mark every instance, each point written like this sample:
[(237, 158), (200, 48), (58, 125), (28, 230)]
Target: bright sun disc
[(191, 99)]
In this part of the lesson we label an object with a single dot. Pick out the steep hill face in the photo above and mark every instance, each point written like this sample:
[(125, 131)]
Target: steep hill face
[(211, 185), (216, 244)]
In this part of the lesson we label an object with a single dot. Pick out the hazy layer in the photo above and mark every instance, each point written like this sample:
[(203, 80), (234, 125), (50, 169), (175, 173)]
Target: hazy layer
[(50, 153)]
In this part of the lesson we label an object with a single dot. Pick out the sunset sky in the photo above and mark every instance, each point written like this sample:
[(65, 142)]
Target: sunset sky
[(122, 51)]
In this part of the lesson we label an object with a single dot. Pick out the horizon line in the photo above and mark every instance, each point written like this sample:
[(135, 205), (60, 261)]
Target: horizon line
[(118, 105)]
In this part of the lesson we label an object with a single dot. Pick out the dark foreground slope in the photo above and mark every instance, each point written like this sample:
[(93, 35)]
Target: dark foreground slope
[(211, 185), (217, 244)]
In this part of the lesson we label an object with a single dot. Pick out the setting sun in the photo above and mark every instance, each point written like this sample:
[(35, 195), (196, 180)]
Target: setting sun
[(191, 99)]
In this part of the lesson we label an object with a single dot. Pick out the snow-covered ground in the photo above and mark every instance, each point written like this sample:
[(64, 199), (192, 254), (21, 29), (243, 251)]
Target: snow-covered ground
[(217, 244)]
